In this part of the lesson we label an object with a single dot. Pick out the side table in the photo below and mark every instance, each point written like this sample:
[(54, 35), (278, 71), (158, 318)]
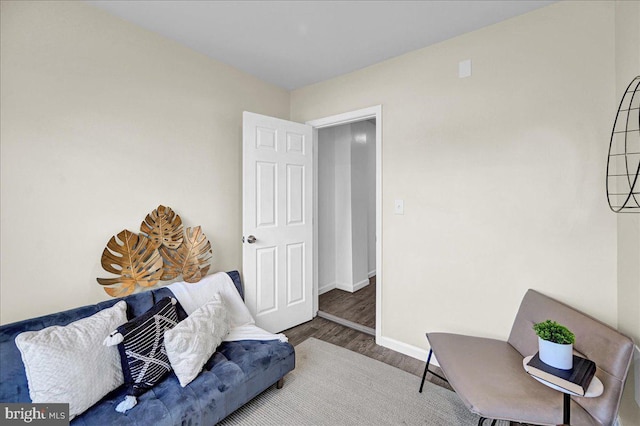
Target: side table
[(595, 389)]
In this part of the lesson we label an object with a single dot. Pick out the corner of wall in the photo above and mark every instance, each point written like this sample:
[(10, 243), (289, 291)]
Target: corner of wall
[(627, 66)]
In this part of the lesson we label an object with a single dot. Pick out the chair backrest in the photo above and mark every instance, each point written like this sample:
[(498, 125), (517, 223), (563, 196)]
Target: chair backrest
[(609, 349)]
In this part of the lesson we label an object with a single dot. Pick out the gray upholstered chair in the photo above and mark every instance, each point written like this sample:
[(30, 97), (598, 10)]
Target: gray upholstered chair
[(489, 377)]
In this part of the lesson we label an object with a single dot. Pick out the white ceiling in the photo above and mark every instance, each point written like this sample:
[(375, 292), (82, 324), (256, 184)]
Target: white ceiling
[(296, 43)]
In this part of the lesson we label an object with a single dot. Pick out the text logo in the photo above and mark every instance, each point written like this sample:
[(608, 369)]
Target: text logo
[(34, 414)]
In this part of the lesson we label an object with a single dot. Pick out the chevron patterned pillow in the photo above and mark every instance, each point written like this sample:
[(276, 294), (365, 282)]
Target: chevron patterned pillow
[(141, 345)]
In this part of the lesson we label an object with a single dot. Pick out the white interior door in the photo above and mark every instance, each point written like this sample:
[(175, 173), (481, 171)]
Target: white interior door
[(277, 221)]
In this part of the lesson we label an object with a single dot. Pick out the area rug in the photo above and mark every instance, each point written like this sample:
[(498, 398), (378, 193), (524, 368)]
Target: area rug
[(335, 386)]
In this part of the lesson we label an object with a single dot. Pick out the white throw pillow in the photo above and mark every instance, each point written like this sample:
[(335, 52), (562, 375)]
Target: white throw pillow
[(69, 364), (193, 295), (192, 342)]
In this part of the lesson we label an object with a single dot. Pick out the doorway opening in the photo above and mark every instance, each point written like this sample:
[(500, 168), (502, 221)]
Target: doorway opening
[(347, 222)]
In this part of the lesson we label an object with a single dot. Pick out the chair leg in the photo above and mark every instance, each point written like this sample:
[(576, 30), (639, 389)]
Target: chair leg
[(481, 421), (426, 368), (280, 383), (493, 423)]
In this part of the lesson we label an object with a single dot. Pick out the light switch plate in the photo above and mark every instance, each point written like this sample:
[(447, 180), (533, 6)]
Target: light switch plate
[(398, 207)]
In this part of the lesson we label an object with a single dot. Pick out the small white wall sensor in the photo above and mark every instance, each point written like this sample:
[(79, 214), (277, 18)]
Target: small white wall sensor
[(464, 68)]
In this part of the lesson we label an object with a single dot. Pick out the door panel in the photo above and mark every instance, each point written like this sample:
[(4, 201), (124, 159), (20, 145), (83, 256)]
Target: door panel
[(295, 143), (295, 194), (295, 274), (266, 194), (267, 296)]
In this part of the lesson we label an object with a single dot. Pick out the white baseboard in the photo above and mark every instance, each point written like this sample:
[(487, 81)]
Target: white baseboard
[(360, 285), (325, 288), (404, 348), (371, 273), (345, 287), (352, 288)]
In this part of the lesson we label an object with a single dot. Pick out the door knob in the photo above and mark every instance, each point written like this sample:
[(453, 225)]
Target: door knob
[(251, 239)]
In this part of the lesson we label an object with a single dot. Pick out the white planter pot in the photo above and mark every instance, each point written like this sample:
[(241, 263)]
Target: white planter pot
[(555, 354)]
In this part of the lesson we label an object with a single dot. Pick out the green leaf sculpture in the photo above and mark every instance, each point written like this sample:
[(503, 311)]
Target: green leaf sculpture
[(164, 227), (135, 259), (191, 259)]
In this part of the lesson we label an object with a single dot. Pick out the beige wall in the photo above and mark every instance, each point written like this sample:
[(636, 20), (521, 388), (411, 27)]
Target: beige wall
[(628, 67), (502, 174), (101, 122)]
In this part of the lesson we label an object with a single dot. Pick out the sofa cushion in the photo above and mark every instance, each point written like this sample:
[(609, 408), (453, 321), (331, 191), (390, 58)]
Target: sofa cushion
[(192, 342), (13, 379), (142, 352), (61, 361)]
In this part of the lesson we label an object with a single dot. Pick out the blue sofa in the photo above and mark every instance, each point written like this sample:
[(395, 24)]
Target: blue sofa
[(237, 372)]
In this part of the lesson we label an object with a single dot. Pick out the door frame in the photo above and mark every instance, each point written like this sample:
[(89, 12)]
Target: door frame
[(336, 120)]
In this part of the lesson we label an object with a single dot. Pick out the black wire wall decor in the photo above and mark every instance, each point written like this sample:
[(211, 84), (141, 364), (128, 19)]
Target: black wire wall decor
[(623, 164)]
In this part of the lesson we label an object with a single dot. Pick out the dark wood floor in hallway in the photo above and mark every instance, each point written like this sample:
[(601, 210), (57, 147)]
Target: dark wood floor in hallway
[(358, 307)]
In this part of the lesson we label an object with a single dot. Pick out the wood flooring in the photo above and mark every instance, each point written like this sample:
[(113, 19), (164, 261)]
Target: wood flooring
[(358, 307)]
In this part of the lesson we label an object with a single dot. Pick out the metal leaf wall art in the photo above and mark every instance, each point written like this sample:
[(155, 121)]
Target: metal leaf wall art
[(160, 252), (163, 227), (191, 259), (134, 259)]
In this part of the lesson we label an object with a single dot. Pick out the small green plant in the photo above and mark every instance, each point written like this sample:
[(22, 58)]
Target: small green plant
[(554, 332)]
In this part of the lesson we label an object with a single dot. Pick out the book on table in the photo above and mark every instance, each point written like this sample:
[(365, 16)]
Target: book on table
[(576, 380)]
